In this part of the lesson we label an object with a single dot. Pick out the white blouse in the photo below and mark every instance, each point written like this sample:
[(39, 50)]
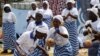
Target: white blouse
[(73, 11), (9, 17), (32, 12), (47, 13), (32, 26), (60, 40), (26, 43)]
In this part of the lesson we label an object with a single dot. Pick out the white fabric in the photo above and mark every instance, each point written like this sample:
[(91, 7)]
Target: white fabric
[(9, 17), (47, 12), (34, 3), (88, 22), (32, 26), (73, 11), (26, 43), (59, 17), (58, 38), (72, 1), (42, 29), (94, 24), (46, 3), (7, 5), (94, 10), (98, 26), (32, 13), (94, 2)]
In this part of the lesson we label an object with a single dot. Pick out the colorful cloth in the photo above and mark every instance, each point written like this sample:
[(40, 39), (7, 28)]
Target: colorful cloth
[(73, 36), (65, 50), (9, 34), (57, 6)]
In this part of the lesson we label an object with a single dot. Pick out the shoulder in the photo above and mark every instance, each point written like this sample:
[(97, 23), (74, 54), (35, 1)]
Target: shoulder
[(64, 9), (11, 13), (74, 9)]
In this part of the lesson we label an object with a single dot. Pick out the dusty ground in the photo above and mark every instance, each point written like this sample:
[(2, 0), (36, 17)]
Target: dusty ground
[(82, 52)]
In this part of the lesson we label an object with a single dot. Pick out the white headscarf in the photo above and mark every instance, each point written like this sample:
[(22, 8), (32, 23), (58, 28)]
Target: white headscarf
[(94, 10), (46, 3), (59, 17), (72, 1), (94, 2), (34, 3), (88, 22), (7, 5), (42, 29)]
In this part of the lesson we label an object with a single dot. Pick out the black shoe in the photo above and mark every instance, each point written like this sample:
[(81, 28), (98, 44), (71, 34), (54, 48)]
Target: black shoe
[(4, 52)]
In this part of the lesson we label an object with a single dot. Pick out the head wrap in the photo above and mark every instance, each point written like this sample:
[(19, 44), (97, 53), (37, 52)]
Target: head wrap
[(59, 17)]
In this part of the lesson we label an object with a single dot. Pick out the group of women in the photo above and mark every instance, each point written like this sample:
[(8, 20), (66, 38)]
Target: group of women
[(45, 30)]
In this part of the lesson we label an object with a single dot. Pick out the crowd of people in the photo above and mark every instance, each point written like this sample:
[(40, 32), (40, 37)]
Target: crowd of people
[(45, 30)]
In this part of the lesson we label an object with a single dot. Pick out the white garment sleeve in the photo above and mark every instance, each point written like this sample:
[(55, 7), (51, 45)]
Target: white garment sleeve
[(98, 27), (63, 30), (13, 17), (30, 26), (22, 39), (63, 12), (28, 15), (75, 12)]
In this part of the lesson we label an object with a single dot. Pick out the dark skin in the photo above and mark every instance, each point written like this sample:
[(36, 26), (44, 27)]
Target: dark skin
[(93, 17), (41, 36), (69, 7), (7, 10), (56, 24), (39, 17), (33, 8), (45, 6)]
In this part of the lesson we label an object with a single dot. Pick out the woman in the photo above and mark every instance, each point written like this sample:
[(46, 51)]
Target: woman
[(38, 22), (47, 13), (33, 42), (94, 18), (31, 13), (70, 15), (60, 36), (8, 25)]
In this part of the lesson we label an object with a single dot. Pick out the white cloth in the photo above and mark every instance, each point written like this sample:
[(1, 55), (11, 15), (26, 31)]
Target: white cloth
[(59, 17), (7, 5), (9, 17), (73, 11), (32, 26), (94, 25), (42, 29), (32, 12), (94, 10), (47, 13), (58, 38), (26, 43), (72, 1), (94, 2)]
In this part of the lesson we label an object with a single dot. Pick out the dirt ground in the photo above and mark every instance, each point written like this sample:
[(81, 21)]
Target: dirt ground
[(82, 52)]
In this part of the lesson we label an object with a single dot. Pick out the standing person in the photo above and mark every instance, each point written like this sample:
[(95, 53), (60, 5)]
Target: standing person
[(70, 15), (31, 13), (47, 13), (38, 22), (59, 34), (94, 19), (8, 25), (33, 42)]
